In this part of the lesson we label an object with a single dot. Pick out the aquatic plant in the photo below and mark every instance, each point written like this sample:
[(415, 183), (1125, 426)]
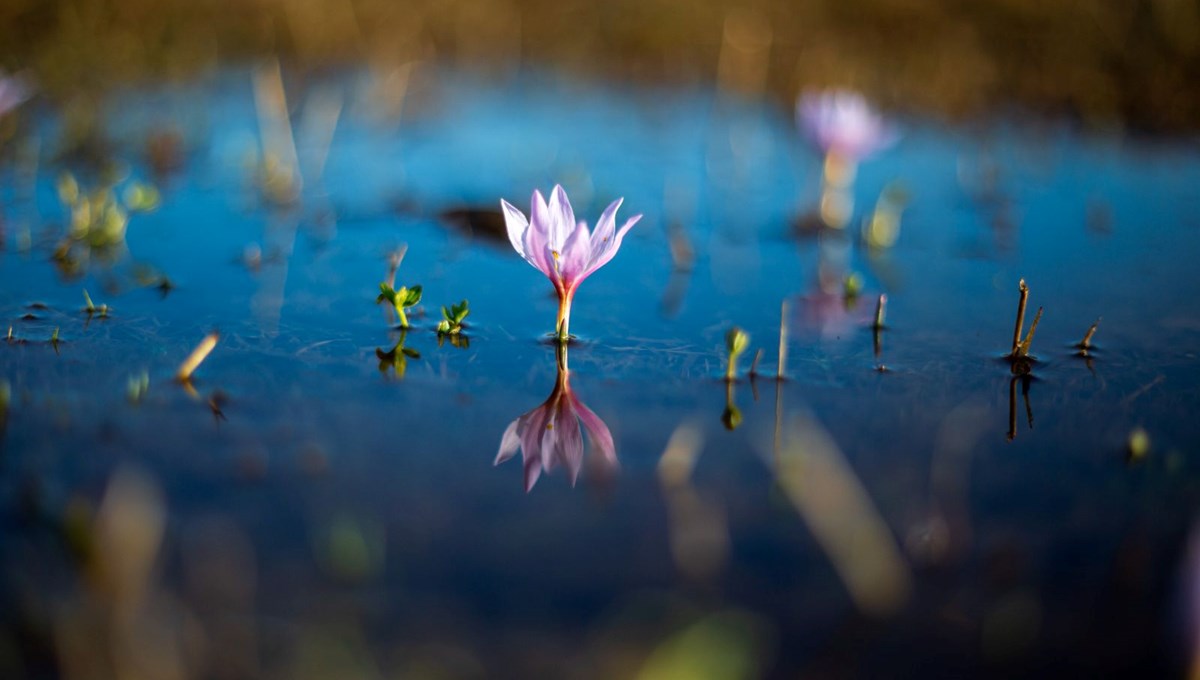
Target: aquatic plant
[(401, 299), (550, 435), (452, 319), (736, 342), (562, 249)]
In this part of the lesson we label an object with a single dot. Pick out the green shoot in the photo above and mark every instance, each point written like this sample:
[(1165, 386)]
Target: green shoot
[(400, 299), (452, 319), (736, 342)]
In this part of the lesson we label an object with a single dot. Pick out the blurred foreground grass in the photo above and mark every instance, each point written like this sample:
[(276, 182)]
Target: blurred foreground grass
[(1104, 62)]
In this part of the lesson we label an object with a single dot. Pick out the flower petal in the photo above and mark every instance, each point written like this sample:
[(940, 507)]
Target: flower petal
[(517, 224), (537, 245), (598, 432), (605, 228), (509, 443), (562, 218), (609, 252), (575, 255), (570, 443)]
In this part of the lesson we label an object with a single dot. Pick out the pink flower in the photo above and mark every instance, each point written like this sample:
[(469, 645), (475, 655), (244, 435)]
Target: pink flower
[(565, 251), (842, 122), (549, 435)]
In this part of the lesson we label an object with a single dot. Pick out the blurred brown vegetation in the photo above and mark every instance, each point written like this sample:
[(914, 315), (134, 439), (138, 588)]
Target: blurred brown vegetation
[(1131, 62)]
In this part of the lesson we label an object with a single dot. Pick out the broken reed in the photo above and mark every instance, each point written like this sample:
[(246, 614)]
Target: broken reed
[(197, 357), (1020, 348), (1086, 343)]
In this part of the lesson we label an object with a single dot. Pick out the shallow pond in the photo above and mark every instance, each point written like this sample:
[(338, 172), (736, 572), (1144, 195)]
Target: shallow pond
[(314, 504)]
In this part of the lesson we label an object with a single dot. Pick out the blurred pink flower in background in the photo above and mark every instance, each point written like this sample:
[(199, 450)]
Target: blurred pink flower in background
[(843, 123), (14, 91)]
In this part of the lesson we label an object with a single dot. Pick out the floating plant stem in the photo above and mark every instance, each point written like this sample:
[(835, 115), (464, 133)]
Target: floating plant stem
[(736, 342), (197, 357), (783, 313), (1016, 343), (89, 307), (1086, 342)]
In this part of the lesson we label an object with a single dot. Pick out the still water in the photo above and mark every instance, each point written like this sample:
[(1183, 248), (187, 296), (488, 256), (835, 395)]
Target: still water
[(315, 504)]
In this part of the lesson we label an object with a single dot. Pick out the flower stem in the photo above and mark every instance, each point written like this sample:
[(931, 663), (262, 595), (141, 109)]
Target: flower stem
[(563, 327), (402, 315)]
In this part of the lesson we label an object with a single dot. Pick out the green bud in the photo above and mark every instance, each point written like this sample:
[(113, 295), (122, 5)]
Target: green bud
[(736, 341)]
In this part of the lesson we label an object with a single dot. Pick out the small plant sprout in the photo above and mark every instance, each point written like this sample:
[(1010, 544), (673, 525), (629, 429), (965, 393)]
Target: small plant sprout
[(197, 357), (452, 319), (852, 287), (563, 249), (401, 299), (92, 309), (736, 342), (54, 339)]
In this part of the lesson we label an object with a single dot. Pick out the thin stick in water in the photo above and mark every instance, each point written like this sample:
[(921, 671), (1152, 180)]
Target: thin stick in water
[(197, 357), (1016, 344), (783, 313), (1086, 343), (880, 312), (754, 364)]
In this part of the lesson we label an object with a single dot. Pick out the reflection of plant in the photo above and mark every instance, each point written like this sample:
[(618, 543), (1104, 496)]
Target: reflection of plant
[(550, 435), (396, 359), (401, 299), (452, 319), (561, 248)]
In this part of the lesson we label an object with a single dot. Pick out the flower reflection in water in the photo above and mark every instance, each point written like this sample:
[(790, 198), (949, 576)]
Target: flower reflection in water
[(550, 435)]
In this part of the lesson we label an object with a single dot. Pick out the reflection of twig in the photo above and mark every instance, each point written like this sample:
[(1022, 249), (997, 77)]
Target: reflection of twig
[(1012, 409), (1012, 403), (1142, 390)]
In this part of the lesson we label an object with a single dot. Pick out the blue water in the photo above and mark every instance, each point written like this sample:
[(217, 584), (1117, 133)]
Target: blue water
[(1029, 551)]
